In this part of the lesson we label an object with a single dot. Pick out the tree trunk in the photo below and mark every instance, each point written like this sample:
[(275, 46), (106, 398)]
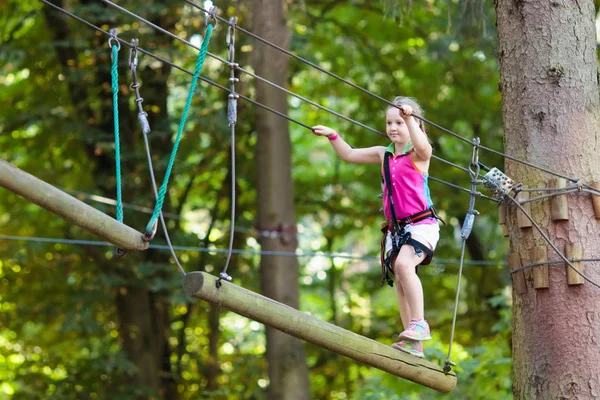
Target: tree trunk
[(288, 373), (548, 67)]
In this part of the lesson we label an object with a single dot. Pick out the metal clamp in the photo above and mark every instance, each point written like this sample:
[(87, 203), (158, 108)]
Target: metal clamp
[(113, 37), (133, 63), (212, 15), (499, 184), (222, 276), (133, 60)]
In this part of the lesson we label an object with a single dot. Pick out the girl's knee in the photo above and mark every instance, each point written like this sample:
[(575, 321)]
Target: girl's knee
[(404, 267)]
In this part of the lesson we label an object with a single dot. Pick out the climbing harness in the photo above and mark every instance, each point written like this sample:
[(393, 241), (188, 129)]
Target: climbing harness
[(396, 229), (232, 119)]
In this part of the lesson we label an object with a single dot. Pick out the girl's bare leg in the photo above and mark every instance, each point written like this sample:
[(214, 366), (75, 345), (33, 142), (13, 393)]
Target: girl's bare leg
[(411, 302)]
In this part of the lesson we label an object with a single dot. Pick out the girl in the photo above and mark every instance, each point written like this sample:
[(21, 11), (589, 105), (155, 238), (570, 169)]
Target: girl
[(411, 236)]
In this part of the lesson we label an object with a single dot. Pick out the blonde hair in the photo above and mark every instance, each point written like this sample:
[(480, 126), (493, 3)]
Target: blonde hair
[(416, 110), (409, 101)]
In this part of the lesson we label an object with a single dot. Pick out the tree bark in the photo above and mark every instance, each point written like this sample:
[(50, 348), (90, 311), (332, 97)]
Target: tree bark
[(549, 83), (288, 373)]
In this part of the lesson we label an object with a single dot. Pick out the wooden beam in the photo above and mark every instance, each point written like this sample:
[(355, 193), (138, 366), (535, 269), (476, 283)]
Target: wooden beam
[(559, 208), (318, 332), (574, 250), (69, 208), (541, 279), (522, 219)]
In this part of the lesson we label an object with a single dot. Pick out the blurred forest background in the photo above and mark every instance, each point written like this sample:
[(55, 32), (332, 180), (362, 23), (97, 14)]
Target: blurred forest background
[(66, 308)]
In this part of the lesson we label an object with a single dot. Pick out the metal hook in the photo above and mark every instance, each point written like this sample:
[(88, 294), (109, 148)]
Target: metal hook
[(230, 39), (474, 167), (223, 275), (212, 14), (113, 37), (133, 53)]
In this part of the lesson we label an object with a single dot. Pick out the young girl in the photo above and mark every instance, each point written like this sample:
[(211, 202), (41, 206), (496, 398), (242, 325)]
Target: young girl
[(411, 240)]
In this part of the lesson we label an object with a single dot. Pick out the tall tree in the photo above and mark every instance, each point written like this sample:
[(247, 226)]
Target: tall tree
[(288, 372), (549, 83)]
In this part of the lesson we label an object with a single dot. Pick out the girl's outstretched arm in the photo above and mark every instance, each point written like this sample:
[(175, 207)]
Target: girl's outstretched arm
[(369, 155)]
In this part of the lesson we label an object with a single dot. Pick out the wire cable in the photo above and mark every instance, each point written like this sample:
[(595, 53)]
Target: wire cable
[(141, 50), (389, 103), (547, 239), (298, 253)]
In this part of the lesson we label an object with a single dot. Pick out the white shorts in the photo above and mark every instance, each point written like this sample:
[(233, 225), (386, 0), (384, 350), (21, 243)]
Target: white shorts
[(427, 234)]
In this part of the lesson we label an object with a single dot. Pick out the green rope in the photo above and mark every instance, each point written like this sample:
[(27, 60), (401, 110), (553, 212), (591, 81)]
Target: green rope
[(115, 90), (163, 189)]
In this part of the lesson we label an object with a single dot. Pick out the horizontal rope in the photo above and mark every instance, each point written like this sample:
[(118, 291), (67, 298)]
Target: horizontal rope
[(299, 253), (552, 262)]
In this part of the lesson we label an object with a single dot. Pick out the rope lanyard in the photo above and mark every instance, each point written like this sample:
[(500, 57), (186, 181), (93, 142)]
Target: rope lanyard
[(163, 189), (116, 46), (465, 232), (232, 118), (143, 119)]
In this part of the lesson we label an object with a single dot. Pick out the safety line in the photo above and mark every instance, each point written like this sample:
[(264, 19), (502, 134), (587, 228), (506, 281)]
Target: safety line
[(299, 253), (141, 50), (264, 80), (552, 262), (303, 60), (310, 101)]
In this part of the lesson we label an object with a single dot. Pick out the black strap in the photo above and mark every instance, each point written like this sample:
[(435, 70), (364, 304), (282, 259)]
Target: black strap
[(388, 184)]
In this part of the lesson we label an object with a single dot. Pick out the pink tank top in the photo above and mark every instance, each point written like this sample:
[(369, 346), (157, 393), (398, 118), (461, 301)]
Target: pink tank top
[(410, 189)]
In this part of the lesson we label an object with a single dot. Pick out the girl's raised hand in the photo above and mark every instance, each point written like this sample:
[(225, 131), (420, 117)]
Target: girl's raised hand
[(405, 111), (321, 130)]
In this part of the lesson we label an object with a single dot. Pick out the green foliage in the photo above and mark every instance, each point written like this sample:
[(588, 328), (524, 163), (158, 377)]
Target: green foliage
[(61, 305)]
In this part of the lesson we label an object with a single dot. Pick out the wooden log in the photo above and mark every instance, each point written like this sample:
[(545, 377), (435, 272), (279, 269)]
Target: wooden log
[(522, 219), (502, 218), (541, 279), (318, 332), (69, 208), (596, 201), (559, 208), (518, 278), (574, 250)]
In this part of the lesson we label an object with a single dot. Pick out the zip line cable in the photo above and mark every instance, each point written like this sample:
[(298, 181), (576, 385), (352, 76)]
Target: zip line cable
[(347, 82), (237, 66), (34, 239), (141, 50)]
